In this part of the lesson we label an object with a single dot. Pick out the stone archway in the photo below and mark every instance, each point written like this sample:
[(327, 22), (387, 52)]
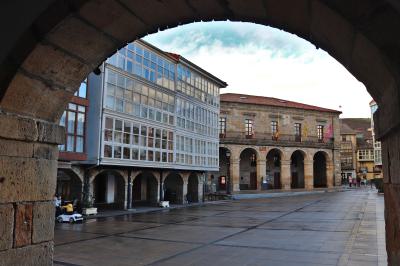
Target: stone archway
[(320, 169), (273, 173), (248, 169), (173, 186), (109, 190), (297, 169), (69, 185), (193, 188), (145, 190), (49, 48)]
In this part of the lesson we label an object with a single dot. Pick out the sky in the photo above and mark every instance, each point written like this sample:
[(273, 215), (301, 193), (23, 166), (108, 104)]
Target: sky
[(260, 60)]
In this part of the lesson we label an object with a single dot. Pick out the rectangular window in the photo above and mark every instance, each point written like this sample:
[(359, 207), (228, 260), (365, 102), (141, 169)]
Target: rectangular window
[(320, 132), (249, 127), (74, 121), (297, 131), (274, 130), (222, 127)]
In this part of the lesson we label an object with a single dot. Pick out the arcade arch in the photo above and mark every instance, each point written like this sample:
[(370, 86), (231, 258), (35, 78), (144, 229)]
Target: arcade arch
[(109, 190), (173, 189), (145, 190), (297, 169), (273, 174), (248, 169), (320, 169)]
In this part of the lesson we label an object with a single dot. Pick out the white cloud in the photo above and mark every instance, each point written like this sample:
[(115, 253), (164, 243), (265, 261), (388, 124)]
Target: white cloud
[(259, 60)]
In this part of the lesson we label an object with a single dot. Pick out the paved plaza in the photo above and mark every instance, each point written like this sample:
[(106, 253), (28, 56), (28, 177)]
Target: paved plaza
[(338, 228)]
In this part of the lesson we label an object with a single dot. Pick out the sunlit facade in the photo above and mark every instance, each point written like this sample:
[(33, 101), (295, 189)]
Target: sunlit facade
[(150, 134)]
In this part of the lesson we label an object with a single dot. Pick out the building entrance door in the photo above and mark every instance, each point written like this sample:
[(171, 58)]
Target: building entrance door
[(222, 182), (253, 180)]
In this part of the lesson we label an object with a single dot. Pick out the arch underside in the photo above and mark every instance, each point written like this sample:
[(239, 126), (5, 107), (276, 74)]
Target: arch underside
[(51, 46)]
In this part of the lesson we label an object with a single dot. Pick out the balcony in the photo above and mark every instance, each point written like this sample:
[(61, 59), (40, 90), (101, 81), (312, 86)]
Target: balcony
[(265, 139)]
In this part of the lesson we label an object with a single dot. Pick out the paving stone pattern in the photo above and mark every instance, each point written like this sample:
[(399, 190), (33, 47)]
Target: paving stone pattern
[(339, 228)]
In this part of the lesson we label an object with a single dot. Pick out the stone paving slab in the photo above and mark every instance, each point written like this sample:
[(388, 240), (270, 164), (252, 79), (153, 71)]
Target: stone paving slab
[(287, 239), (118, 251), (252, 214), (66, 236), (221, 221), (185, 233), (314, 225), (238, 256)]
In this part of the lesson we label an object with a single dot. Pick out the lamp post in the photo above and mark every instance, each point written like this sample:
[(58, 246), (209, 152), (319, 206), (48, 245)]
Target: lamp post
[(228, 164)]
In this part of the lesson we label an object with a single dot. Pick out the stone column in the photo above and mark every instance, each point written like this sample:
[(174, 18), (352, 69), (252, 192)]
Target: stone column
[(261, 171), (184, 191), (285, 174), (309, 174), (161, 187), (329, 174), (28, 170), (235, 175), (200, 194), (129, 191)]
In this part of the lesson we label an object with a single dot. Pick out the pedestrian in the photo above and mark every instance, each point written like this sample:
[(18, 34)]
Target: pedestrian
[(350, 180), (358, 181), (57, 203)]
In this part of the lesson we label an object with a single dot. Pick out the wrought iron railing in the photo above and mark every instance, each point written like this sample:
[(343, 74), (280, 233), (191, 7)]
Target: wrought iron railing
[(274, 139)]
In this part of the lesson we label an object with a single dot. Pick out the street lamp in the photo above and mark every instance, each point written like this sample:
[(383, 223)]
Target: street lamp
[(228, 156)]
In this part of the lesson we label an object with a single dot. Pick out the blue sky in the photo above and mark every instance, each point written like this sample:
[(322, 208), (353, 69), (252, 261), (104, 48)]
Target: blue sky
[(260, 60)]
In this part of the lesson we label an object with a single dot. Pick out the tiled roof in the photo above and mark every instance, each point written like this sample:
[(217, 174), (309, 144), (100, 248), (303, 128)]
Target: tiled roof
[(262, 100), (345, 129), (361, 127), (175, 56)]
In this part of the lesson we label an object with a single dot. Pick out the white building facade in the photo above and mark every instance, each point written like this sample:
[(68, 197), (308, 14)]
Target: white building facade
[(152, 115)]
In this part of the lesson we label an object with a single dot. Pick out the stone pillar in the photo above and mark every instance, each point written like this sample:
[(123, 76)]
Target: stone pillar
[(285, 174), (337, 168), (184, 191), (309, 174), (261, 171), (28, 170), (161, 187), (235, 175), (200, 194), (129, 191), (329, 174)]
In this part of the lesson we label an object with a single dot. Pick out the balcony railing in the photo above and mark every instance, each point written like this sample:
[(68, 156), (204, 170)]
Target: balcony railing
[(277, 139)]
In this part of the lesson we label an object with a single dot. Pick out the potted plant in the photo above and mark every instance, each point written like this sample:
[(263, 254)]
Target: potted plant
[(88, 208)]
